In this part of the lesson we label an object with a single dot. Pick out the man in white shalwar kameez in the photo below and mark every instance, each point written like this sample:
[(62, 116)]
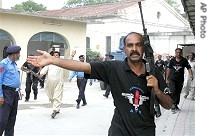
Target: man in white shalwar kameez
[(189, 84), (54, 85)]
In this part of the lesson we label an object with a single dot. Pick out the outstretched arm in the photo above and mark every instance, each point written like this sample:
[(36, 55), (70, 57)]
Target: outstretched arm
[(46, 59)]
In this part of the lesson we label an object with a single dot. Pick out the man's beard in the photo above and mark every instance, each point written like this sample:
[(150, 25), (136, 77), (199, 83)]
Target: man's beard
[(16, 58), (134, 60)]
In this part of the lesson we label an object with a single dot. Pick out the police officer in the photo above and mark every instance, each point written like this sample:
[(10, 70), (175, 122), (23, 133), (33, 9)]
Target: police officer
[(108, 89), (9, 96), (81, 84)]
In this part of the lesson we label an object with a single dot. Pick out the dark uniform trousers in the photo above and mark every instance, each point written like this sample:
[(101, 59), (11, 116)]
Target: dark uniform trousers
[(108, 90), (34, 83), (176, 88), (42, 81), (81, 84), (8, 111)]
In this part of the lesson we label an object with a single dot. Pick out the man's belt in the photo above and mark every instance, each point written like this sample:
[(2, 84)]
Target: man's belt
[(8, 88)]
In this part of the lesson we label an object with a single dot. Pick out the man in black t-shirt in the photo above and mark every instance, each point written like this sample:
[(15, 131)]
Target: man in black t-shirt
[(31, 80), (166, 62), (160, 64), (130, 86), (175, 76)]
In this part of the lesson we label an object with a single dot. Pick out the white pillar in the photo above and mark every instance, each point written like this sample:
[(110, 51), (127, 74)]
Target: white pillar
[(0, 3)]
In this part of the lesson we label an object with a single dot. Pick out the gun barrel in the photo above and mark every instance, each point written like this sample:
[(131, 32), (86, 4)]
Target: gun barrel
[(34, 74), (142, 18), (150, 62)]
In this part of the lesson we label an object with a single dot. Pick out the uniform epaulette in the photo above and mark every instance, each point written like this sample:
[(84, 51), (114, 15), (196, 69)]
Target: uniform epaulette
[(5, 61)]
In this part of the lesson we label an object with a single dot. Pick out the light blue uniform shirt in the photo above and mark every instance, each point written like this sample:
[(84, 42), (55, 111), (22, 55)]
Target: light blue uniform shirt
[(78, 74), (9, 74)]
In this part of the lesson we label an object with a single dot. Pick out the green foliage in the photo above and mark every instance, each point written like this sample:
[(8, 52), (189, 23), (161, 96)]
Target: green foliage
[(92, 54), (174, 4), (28, 6)]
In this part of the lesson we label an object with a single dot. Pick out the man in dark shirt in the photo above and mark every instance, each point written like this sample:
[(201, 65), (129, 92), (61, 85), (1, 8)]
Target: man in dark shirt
[(167, 61), (31, 80), (160, 64), (130, 86), (175, 76), (108, 89)]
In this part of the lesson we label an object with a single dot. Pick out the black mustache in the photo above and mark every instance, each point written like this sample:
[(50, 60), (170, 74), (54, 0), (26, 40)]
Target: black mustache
[(134, 53)]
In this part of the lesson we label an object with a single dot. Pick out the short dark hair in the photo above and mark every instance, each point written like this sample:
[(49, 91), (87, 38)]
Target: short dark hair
[(111, 56), (81, 56), (178, 49), (133, 33), (57, 52), (193, 55), (53, 52)]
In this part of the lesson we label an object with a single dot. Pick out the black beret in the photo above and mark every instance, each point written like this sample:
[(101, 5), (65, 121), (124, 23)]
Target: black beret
[(13, 49)]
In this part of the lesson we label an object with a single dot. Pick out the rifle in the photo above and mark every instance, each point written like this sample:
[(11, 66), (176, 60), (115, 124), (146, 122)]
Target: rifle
[(33, 73), (150, 67)]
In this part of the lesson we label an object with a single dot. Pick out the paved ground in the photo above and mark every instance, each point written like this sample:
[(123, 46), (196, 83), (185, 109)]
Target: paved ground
[(94, 119)]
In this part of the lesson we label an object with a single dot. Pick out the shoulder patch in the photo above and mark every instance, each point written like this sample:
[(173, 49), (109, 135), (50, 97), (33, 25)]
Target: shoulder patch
[(1, 69)]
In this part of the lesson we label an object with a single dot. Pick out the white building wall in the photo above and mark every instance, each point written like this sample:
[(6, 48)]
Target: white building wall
[(98, 33), (130, 20), (168, 44), (22, 28)]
